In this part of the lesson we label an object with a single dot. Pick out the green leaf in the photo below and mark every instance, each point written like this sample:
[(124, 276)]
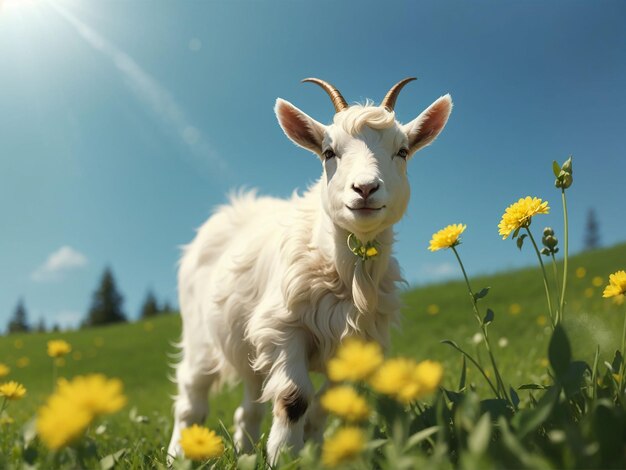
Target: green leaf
[(617, 361), (463, 375), (482, 293), (559, 352), (531, 387), (108, 462), (528, 420), (478, 440), (516, 232), (489, 317), (514, 397), (420, 436), (556, 169), (520, 241)]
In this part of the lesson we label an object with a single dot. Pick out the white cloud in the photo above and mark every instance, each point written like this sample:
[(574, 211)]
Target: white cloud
[(64, 259), (149, 91), (438, 271)]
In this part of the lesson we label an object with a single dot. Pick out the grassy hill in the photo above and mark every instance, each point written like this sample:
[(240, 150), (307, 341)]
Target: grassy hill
[(139, 353)]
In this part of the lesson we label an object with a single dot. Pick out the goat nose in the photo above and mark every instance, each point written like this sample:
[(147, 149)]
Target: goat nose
[(365, 189)]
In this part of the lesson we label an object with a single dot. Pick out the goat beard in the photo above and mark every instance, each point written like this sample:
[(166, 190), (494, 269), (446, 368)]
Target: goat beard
[(364, 289)]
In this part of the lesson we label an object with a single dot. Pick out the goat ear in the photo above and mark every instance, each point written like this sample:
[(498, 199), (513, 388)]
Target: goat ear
[(299, 127), (425, 128)]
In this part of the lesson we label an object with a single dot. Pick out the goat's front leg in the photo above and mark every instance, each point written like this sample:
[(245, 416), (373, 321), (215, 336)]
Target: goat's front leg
[(291, 390)]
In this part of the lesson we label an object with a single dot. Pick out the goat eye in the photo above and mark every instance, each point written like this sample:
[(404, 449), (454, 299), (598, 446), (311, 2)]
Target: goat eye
[(403, 153), (328, 154)]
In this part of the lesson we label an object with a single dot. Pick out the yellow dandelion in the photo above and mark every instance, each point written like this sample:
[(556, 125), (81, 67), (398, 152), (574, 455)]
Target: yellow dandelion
[(428, 374), (346, 403), (345, 445), (543, 362), (371, 252), (355, 360), (447, 237), (94, 393), (597, 281), (199, 443), (519, 215), (589, 292), (58, 348), (617, 285), (406, 381), (515, 309), (542, 320), (4, 370), (23, 362), (432, 309), (60, 422), (12, 390), (581, 272)]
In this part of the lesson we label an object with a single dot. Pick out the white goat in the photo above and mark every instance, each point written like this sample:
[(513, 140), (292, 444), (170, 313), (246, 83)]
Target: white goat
[(269, 288)]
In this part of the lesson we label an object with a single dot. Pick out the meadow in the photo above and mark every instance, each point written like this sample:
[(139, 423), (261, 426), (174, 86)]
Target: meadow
[(140, 353)]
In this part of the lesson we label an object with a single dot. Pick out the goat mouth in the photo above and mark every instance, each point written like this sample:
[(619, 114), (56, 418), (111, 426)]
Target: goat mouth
[(365, 210)]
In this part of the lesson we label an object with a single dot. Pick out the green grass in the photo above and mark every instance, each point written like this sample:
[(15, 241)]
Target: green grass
[(139, 353)]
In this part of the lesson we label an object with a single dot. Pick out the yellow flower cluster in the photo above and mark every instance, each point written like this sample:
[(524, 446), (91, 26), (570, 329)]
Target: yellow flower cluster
[(74, 405), (199, 443), (520, 214), (346, 444), (447, 237), (346, 403), (4, 370), (12, 390), (356, 360), (58, 348), (405, 380), (617, 285)]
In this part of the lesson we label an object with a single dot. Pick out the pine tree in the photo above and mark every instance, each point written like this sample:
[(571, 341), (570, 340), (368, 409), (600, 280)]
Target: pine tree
[(106, 303), (592, 232), (167, 307), (150, 306), (19, 321)]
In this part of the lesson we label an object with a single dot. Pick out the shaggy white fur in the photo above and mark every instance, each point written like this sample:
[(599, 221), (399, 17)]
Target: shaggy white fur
[(269, 288)]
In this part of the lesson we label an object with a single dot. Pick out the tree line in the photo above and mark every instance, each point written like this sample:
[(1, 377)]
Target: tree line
[(106, 308)]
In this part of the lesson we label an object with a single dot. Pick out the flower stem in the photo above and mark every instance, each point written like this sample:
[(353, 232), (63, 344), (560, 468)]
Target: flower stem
[(4, 405), (501, 388), (565, 255), (545, 278)]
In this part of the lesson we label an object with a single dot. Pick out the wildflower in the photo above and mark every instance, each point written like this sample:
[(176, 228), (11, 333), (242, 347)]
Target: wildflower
[(12, 390), (617, 285), (6, 419), (4, 370), (60, 422), (515, 309), (580, 272), (543, 362), (597, 281), (346, 444), (519, 215), (94, 393), (199, 443), (406, 381), (346, 403), (447, 237), (542, 320), (23, 362), (477, 338), (364, 251), (58, 348), (503, 342), (432, 309), (355, 360)]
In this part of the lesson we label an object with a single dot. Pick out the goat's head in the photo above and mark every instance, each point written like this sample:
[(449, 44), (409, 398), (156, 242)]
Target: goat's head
[(364, 154)]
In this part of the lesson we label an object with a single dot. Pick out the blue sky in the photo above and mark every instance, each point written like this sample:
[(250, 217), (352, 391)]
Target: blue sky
[(122, 123)]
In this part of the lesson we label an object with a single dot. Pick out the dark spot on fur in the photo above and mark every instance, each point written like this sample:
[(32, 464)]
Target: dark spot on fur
[(295, 406)]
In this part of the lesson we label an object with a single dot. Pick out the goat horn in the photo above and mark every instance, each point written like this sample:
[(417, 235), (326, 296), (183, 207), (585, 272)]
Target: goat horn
[(390, 98), (338, 102)]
